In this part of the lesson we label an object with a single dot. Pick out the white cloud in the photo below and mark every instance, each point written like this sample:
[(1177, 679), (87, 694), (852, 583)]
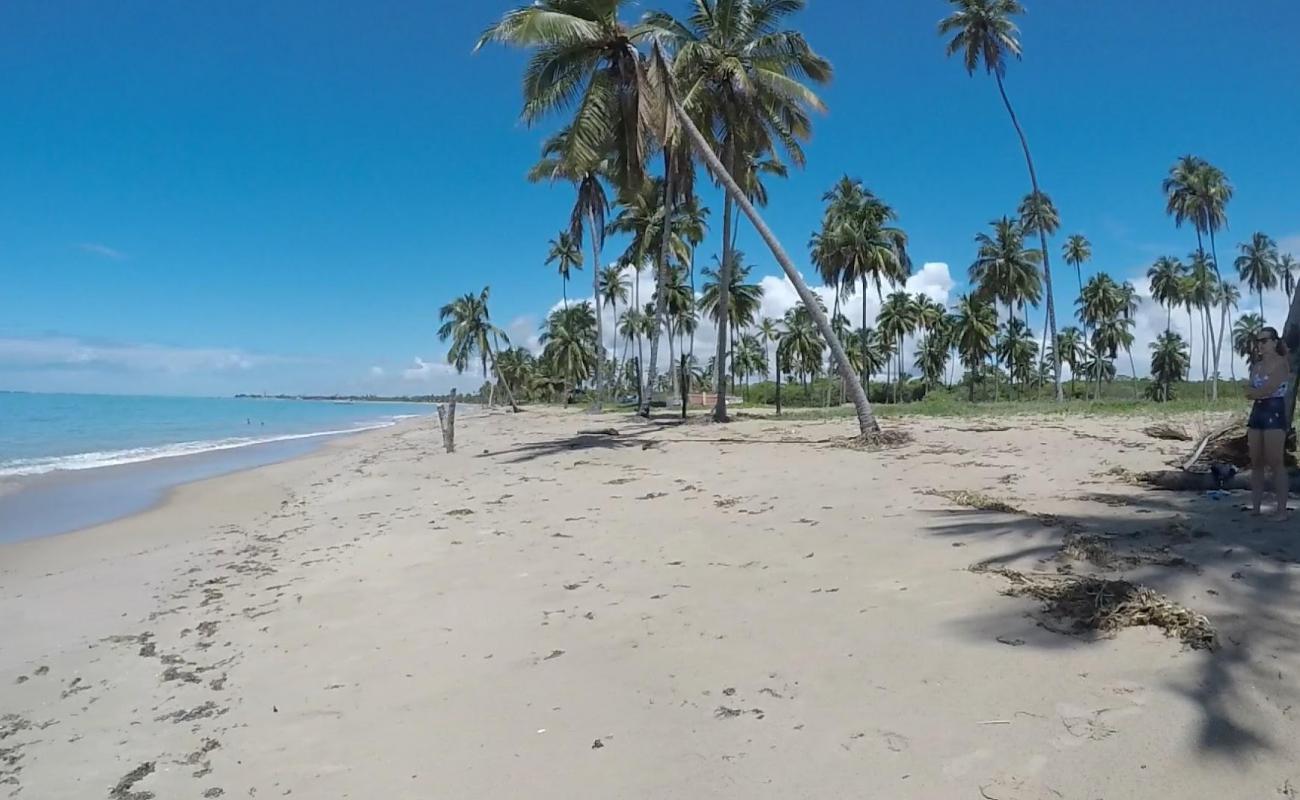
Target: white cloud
[(376, 372), (422, 371), (55, 352), (94, 248)]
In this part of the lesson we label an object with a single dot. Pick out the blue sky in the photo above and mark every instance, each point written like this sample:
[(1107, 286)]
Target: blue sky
[(242, 196)]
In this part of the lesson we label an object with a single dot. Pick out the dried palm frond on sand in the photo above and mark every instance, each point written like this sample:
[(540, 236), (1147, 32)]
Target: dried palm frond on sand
[(1106, 606)]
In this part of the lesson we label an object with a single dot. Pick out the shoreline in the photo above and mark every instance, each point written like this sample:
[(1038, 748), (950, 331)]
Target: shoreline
[(564, 614), (68, 501)]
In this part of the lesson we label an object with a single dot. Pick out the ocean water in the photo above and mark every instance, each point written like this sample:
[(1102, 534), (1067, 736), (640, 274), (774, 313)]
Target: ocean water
[(43, 433)]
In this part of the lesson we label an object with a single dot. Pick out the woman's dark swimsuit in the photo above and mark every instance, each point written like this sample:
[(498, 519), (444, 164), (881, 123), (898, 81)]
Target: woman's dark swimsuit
[(1269, 413)]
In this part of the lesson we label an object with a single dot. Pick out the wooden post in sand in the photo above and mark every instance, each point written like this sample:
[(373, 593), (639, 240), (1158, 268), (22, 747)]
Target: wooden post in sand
[(447, 421)]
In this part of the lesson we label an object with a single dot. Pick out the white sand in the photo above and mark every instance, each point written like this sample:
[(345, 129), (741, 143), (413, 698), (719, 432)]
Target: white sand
[(764, 617)]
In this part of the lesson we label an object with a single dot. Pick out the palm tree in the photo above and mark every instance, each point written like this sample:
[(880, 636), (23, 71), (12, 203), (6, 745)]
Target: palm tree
[(983, 33), (802, 345), (856, 244), (631, 325), (1244, 333), (1196, 191), (932, 359), (1229, 297), (1068, 350), (1018, 349), (740, 75), (568, 342), (516, 366), (1258, 265), (1166, 277), (1128, 307), (611, 289), (1101, 307), (746, 300), (898, 319), (1169, 363), (867, 424), (976, 326), (1004, 271), (467, 322), (1077, 251), (1202, 291), (1287, 267), (566, 255)]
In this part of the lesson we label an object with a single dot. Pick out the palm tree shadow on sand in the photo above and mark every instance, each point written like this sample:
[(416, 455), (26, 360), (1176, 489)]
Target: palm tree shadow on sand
[(1240, 575)]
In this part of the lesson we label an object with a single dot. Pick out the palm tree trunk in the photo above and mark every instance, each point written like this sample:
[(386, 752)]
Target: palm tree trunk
[(661, 281), (1042, 235), (1133, 368), (866, 371), (778, 380), (1218, 343), (724, 298), (867, 423), (510, 396), (596, 397), (672, 359)]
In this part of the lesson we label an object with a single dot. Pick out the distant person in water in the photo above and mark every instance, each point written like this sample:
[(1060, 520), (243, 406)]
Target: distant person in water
[(1270, 376)]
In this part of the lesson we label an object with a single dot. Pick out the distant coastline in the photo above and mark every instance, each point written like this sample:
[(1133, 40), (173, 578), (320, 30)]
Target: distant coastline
[(349, 398)]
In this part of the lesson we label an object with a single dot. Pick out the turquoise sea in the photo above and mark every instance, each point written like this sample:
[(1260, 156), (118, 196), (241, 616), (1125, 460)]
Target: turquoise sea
[(43, 433)]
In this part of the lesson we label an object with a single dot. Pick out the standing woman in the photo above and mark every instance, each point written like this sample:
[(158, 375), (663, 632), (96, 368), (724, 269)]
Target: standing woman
[(1270, 372)]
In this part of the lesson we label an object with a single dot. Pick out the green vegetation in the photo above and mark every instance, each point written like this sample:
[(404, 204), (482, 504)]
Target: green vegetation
[(649, 111)]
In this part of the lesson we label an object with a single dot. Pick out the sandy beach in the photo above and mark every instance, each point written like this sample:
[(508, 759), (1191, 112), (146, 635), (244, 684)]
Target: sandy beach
[(750, 611)]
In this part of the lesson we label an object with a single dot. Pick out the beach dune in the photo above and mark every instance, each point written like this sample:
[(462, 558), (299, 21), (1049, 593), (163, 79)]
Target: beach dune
[(678, 611)]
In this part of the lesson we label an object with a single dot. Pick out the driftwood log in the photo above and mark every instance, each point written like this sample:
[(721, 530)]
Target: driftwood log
[(1174, 480)]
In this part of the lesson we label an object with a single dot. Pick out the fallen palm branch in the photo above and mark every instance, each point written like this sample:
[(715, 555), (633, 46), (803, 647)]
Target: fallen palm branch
[(1106, 606), (975, 500)]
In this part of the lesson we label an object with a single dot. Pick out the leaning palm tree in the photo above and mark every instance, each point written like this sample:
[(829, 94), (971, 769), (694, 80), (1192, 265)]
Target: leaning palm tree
[(1166, 278), (467, 322), (660, 66), (566, 255), (984, 34), (1258, 265), (741, 76)]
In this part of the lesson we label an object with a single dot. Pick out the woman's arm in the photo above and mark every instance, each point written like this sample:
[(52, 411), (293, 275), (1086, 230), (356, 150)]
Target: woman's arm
[(1278, 374)]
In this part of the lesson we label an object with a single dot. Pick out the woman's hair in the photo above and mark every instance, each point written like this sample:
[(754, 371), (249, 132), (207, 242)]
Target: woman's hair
[(1277, 343)]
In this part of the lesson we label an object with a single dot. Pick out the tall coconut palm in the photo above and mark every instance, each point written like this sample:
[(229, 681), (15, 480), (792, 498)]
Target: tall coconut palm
[(1198, 192), (1166, 277), (976, 327), (1169, 363), (932, 359), (467, 323), (1077, 251), (1128, 308), (568, 342), (1017, 350), (983, 33), (566, 255), (1202, 287), (1258, 265), (740, 75), (516, 367), (612, 289)]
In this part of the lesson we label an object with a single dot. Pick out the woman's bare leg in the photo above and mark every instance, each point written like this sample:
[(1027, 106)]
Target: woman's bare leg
[(1255, 439), (1274, 449)]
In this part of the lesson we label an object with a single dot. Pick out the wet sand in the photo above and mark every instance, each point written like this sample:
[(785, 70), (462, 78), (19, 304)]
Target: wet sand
[(678, 611)]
